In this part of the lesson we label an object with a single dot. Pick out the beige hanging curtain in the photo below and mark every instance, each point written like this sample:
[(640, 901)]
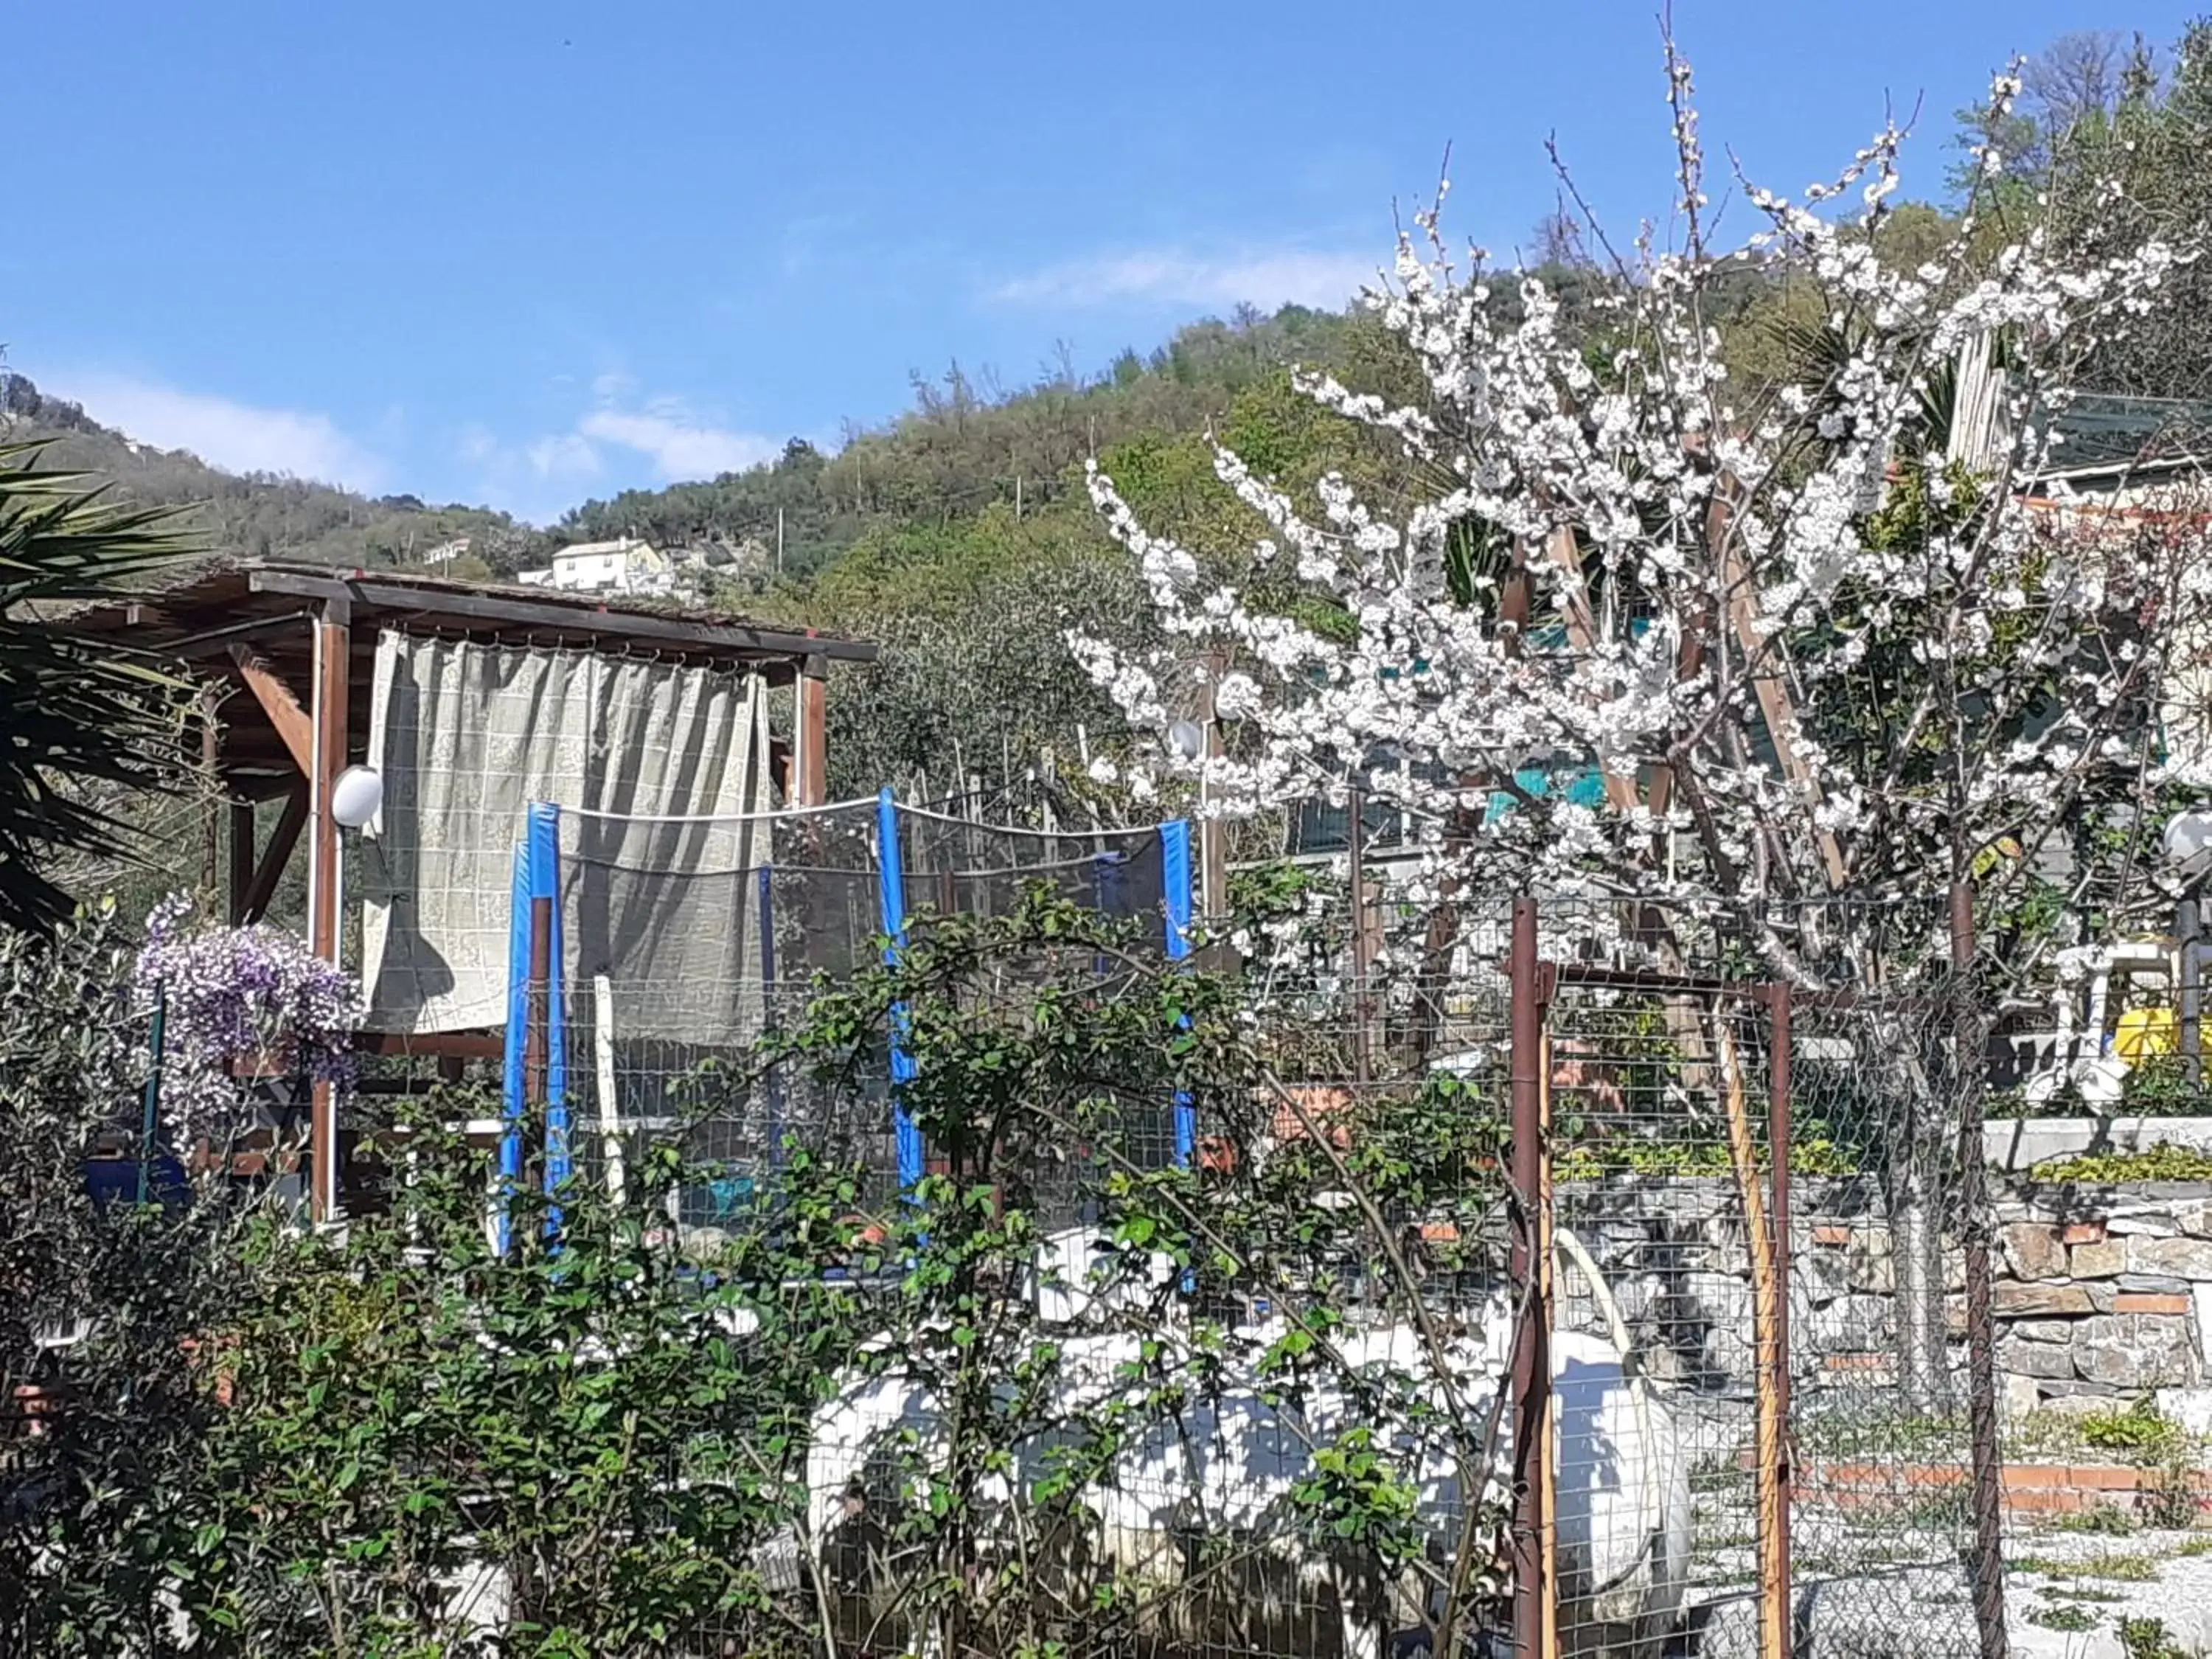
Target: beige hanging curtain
[(655, 766)]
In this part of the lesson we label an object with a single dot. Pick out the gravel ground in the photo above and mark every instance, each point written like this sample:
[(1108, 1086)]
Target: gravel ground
[(2069, 1578), (2067, 1596)]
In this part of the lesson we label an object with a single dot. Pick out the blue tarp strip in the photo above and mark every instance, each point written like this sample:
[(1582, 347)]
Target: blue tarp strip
[(545, 883), (518, 1025), (890, 865), (1175, 877)]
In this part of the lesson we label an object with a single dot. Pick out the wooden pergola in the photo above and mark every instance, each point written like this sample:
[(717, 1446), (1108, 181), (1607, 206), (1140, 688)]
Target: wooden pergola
[(289, 649)]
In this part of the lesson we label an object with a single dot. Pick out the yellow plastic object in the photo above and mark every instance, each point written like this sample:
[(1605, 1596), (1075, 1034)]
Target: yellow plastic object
[(2146, 1031)]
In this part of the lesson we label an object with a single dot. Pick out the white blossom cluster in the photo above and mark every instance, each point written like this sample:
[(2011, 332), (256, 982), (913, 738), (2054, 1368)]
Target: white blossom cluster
[(1797, 684)]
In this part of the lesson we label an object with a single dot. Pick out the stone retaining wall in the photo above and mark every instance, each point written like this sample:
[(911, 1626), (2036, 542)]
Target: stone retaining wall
[(2104, 1290), (1673, 1254), (2102, 1293)]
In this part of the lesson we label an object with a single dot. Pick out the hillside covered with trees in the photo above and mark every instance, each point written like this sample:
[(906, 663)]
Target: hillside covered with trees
[(255, 514)]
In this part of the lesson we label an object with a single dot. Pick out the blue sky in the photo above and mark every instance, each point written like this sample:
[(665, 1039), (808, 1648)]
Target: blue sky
[(526, 253)]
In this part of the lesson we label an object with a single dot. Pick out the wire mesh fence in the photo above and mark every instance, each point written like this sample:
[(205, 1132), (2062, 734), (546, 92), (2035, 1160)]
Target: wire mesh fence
[(673, 946), (1579, 1289), (661, 1035), (1718, 1132)]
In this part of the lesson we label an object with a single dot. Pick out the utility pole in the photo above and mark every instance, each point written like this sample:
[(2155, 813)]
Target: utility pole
[(779, 542)]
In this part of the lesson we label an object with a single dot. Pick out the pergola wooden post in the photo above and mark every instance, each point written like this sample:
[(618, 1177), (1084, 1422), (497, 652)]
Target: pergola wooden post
[(327, 758), (241, 858), (810, 743), (316, 738)]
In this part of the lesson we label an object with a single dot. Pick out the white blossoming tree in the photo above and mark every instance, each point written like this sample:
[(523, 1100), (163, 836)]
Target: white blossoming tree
[(1822, 652), (1810, 635)]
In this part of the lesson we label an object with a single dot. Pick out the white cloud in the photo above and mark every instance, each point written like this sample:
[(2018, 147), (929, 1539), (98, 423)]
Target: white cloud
[(1263, 278), (538, 477), (237, 437), (680, 447), (565, 455)]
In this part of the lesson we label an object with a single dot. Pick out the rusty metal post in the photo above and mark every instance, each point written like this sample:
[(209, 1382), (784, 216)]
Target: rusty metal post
[(1971, 1065), (1780, 1601), (2189, 924), (1547, 1474), (1532, 1361)]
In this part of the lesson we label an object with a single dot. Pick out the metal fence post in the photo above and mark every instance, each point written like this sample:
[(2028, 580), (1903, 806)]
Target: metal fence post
[(1532, 1365), (1781, 1612), (768, 1019), (1970, 1061), (521, 972), (1362, 965), (2189, 924)]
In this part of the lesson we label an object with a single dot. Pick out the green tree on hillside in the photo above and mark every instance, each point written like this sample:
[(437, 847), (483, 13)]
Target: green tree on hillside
[(2095, 111)]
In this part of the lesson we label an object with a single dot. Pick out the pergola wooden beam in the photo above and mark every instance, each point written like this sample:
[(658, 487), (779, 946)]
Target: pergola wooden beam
[(249, 900), (241, 856), (216, 642), (286, 718), (552, 615)]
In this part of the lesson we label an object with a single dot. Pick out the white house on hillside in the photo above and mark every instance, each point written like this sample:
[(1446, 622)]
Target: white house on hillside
[(623, 566)]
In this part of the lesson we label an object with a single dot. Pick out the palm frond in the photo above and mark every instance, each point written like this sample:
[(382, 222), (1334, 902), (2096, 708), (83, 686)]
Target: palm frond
[(75, 713)]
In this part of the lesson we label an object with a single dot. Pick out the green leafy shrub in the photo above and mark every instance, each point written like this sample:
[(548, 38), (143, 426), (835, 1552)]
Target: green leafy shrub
[(2061, 1618), (2104, 1519), (284, 1441), (2159, 1086), (2163, 1161), (99, 1303), (2139, 1431), (2148, 1639)]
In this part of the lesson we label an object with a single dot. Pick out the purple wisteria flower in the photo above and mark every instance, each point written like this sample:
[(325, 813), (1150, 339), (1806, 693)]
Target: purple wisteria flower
[(237, 992)]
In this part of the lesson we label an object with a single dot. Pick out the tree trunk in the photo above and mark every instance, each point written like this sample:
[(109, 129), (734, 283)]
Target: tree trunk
[(1917, 1249)]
